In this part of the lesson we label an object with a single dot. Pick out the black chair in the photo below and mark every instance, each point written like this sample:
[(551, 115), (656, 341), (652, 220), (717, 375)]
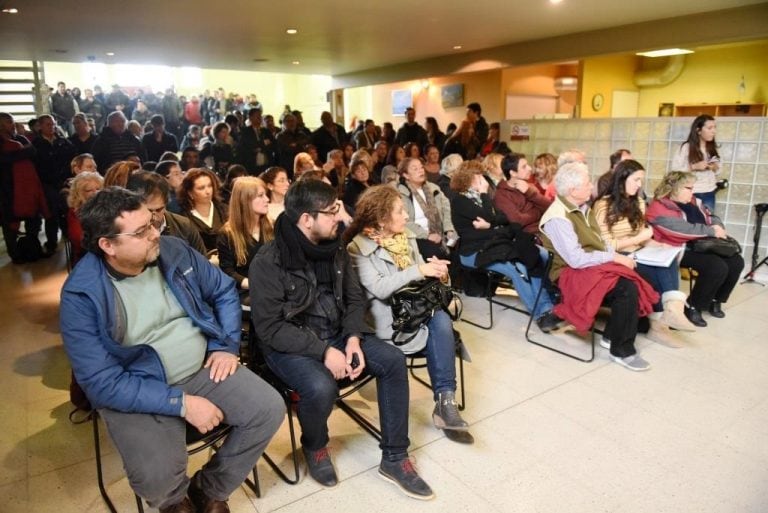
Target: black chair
[(494, 280), (413, 365), (528, 337), (196, 442)]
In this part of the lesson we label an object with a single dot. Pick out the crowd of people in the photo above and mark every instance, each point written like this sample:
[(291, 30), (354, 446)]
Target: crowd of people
[(312, 231)]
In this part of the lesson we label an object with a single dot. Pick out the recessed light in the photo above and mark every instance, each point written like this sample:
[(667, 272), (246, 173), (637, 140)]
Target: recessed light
[(110, 54), (295, 62), (457, 47), (555, 1), (11, 10), (291, 31), (665, 52)]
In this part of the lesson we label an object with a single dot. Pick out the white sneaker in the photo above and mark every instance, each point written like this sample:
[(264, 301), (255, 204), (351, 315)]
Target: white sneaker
[(633, 363), (605, 343)]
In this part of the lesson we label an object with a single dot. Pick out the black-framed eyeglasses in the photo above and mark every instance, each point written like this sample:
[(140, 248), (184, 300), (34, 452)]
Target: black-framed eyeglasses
[(141, 233), (330, 212)]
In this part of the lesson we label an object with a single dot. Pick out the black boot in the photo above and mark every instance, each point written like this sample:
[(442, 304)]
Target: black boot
[(695, 317), (716, 310)]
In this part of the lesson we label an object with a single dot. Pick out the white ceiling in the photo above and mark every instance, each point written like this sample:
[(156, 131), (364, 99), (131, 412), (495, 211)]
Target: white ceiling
[(335, 36)]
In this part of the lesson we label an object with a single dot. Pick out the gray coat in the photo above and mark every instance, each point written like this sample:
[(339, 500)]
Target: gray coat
[(380, 278), (443, 208)]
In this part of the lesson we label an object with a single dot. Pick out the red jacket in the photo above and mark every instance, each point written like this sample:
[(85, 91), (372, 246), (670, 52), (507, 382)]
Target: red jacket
[(524, 209), (671, 227), (583, 291)]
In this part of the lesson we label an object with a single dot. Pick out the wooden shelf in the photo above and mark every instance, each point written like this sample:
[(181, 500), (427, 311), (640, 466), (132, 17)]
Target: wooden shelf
[(721, 109)]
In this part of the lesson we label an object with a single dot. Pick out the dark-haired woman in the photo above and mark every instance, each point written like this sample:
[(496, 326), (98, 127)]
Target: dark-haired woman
[(677, 218), (219, 154), (699, 155), (386, 257), (200, 201), (621, 217)]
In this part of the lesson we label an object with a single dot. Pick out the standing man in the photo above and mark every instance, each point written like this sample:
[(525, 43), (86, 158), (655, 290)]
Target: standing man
[(475, 116), (152, 332), (308, 306), (367, 137), (289, 143), (116, 143), (255, 149), (64, 107), (330, 136), (411, 131), (158, 141)]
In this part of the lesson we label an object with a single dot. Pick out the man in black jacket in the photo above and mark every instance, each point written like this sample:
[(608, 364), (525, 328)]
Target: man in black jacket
[(256, 147), (158, 141), (330, 136), (308, 308), (116, 143), (411, 131), (289, 143)]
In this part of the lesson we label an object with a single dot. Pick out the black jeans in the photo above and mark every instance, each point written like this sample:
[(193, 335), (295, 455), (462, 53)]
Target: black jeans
[(621, 327), (318, 392), (717, 277)]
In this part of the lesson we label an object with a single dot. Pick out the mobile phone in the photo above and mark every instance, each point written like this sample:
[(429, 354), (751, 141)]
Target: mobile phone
[(355, 361)]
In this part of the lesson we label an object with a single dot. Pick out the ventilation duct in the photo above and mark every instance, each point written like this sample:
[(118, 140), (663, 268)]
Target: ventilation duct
[(663, 76)]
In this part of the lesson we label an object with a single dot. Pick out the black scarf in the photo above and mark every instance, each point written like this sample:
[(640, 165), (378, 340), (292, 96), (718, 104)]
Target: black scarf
[(295, 250)]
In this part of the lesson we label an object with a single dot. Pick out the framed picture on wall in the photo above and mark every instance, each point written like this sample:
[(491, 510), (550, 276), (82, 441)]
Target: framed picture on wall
[(452, 95), (401, 100), (666, 110)]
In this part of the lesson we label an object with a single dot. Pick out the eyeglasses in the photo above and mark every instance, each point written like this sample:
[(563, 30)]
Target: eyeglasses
[(330, 212), (157, 212), (141, 233)]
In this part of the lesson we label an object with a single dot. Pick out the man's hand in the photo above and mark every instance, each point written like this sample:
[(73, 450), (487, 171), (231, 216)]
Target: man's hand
[(522, 185), (202, 413), (336, 362), (353, 347), (222, 365)]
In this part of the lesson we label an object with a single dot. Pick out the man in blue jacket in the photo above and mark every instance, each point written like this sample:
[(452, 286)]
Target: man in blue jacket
[(152, 332)]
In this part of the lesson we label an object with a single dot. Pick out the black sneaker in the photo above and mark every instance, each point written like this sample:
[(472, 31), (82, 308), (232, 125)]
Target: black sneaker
[(716, 309), (549, 322), (693, 315), (402, 474), (320, 467)]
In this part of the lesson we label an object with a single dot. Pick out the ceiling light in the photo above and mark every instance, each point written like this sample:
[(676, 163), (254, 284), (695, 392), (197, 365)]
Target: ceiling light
[(555, 1), (291, 31), (295, 62), (457, 47), (665, 53), (11, 10), (110, 54)]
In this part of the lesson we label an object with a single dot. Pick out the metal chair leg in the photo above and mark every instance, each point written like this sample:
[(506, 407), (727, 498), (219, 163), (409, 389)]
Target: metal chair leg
[(99, 474)]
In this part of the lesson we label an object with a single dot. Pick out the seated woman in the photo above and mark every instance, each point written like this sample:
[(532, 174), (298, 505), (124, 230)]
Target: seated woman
[(590, 273), (516, 197), (478, 224), (277, 182), (303, 161), (621, 217), (429, 211), (219, 154), (386, 257), (544, 170), (493, 172), (118, 173), (247, 229), (82, 187), (432, 163), (677, 218), (199, 200), (356, 183)]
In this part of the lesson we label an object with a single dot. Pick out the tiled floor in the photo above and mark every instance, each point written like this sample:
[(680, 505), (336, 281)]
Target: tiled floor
[(552, 434)]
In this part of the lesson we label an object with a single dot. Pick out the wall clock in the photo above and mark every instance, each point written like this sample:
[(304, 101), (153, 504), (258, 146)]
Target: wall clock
[(597, 102)]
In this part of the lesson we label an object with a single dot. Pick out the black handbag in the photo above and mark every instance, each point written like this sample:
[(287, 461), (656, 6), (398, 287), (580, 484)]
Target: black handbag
[(414, 305), (725, 248)]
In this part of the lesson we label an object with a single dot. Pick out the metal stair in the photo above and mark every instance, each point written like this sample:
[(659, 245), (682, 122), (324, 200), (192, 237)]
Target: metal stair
[(20, 89)]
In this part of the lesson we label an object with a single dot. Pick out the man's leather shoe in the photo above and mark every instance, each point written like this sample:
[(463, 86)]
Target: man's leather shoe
[(320, 466), (202, 502), (716, 309), (694, 316), (184, 506)]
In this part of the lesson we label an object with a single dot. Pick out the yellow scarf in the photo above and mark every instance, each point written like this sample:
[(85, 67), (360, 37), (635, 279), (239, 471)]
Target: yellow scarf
[(397, 246)]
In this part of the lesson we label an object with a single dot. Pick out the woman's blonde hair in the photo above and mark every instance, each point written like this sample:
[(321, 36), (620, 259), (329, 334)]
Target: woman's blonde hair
[(492, 162), (243, 220), (118, 173), (672, 183), (76, 198), (300, 162)]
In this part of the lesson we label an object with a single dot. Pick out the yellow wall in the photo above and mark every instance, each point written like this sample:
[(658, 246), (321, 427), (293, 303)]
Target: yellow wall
[(375, 102), (274, 90), (713, 76), (603, 75)]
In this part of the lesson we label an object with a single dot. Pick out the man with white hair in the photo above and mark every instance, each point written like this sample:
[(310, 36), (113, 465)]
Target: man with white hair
[(589, 272), (115, 143)]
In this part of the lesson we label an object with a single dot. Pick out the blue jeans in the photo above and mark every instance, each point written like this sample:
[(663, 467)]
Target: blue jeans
[(708, 199), (662, 279), (318, 392), (527, 287), (441, 353)]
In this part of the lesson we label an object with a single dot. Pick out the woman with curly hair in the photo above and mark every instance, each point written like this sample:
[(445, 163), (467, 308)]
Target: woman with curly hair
[(199, 200)]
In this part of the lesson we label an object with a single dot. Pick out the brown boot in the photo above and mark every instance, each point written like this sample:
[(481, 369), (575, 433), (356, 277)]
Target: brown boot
[(184, 506), (661, 334), (202, 502), (674, 315)]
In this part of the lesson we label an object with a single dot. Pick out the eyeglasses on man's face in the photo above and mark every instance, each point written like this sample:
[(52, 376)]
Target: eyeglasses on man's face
[(330, 212), (141, 233)]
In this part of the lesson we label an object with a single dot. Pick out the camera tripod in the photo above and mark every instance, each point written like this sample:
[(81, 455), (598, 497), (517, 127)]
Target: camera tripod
[(760, 210)]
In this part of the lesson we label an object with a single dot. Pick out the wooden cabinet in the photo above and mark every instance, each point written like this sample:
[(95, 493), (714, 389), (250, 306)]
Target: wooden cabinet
[(721, 109)]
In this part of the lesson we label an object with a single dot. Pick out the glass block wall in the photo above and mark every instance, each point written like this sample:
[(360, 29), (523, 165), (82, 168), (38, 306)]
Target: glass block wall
[(653, 141)]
